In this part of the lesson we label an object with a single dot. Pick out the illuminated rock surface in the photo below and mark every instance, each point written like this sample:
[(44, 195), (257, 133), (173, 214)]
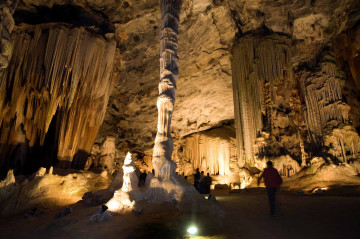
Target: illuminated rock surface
[(121, 201), (58, 86), (254, 81)]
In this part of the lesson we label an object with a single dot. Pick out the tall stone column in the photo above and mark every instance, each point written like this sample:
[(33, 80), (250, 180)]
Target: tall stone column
[(7, 8), (163, 165)]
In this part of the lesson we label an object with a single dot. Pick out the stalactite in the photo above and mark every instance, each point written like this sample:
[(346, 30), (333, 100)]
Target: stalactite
[(210, 151), (55, 71), (163, 165), (259, 65), (323, 98), (7, 8)]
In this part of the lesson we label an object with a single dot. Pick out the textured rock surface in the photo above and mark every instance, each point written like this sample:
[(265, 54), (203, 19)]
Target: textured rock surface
[(54, 93), (7, 8), (315, 45), (48, 190)]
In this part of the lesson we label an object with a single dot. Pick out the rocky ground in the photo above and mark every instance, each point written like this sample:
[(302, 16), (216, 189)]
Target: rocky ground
[(246, 216)]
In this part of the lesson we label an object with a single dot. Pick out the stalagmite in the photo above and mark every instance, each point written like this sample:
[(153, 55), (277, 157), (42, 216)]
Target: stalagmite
[(59, 80), (163, 165), (121, 201)]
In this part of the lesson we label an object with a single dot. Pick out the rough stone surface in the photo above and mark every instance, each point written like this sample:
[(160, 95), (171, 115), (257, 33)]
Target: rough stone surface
[(322, 48)]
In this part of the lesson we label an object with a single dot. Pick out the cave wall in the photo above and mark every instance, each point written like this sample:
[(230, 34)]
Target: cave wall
[(59, 80), (297, 58)]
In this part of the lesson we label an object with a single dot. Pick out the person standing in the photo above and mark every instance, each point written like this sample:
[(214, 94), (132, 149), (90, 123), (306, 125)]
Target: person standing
[(208, 181), (197, 179), (202, 183), (273, 182)]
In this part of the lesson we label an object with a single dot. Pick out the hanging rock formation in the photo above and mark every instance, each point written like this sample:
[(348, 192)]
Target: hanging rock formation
[(55, 92), (264, 96), (259, 43), (324, 108), (211, 151), (7, 8)]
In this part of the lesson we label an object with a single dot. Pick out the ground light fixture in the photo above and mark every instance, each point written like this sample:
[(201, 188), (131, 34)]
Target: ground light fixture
[(192, 230)]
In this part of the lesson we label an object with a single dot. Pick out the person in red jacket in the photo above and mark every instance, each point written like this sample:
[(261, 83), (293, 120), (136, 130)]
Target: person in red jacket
[(273, 181)]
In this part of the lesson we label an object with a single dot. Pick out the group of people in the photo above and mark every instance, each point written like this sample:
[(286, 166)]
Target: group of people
[(271, 177), (202, 183)]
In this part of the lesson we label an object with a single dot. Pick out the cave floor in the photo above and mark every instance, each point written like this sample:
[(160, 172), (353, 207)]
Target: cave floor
[(246, 216)]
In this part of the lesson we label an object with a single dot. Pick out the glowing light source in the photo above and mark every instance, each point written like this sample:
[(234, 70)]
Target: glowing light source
[(192, 230)]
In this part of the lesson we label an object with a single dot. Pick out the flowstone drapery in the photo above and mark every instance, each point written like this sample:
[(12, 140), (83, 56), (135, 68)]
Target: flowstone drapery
[(7, 8), (210, 151), (263, 89), (58, 81), (163, 165)]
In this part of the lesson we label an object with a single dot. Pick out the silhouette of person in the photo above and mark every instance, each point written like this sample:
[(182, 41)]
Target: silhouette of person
[(202, 182), (142, 179), (208, 181), (273, 181), (197, 179)]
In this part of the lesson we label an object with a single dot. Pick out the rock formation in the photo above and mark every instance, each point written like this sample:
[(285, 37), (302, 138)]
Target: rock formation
[(163, 165), (7, 8), (263, 84), (282, 75), (121, 201), (54, 93)]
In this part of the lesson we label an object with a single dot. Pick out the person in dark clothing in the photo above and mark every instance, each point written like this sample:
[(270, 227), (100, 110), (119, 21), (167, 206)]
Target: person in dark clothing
[(273, 182), (202, 183), (142, 179), (208, 181), (197, 179)]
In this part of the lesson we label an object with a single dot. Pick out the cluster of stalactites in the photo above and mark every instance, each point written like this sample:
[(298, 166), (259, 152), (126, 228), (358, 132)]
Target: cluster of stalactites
[(56, 70), (209, 154), (323, 98), (7, 8), (258, 65), (169, 61)]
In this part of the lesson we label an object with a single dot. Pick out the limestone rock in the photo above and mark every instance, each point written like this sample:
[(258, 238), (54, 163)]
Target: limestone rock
[(67, 93), (41, 172)]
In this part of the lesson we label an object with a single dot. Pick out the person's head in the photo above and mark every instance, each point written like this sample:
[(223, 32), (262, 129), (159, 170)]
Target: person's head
[(269, 164), (197, 170), (208, 174), (202, 172)]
